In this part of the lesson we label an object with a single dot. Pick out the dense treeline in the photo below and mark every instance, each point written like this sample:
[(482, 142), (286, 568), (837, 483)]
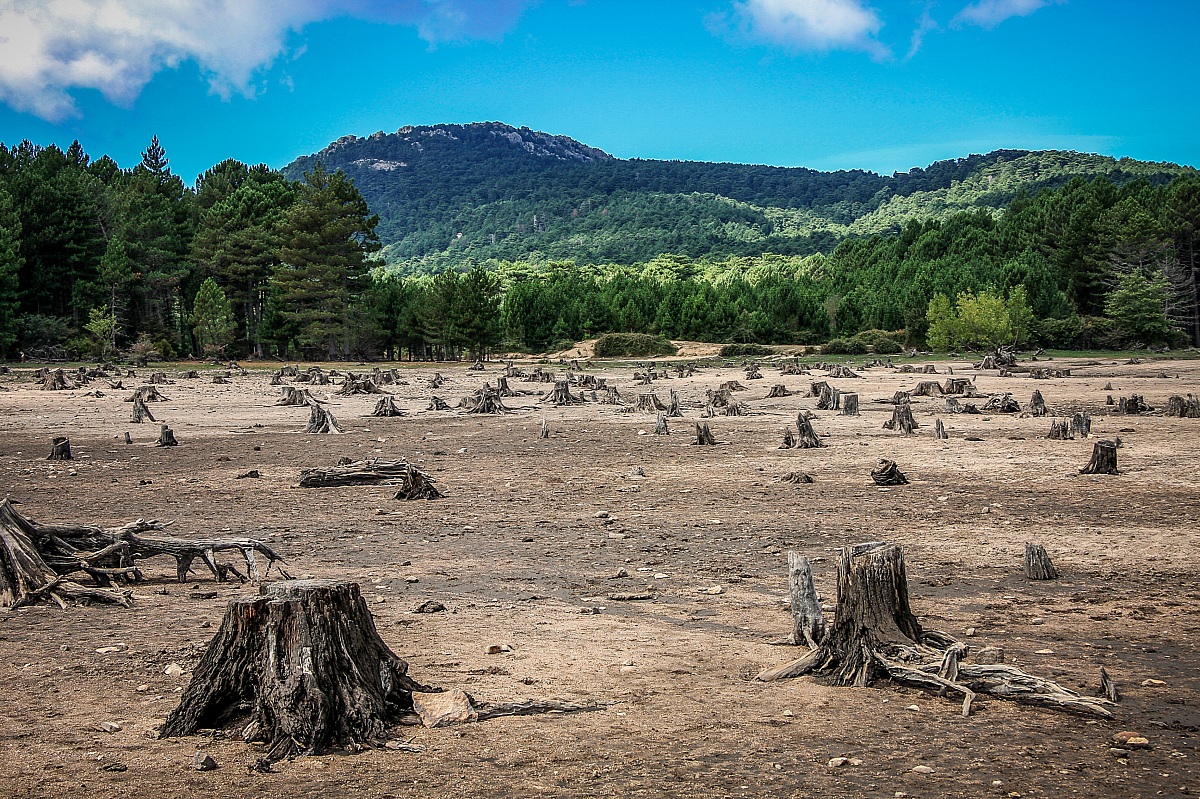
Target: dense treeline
[(96, 259)]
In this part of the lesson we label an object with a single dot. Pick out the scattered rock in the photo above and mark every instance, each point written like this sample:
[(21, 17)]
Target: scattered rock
[(1118, 752), (989, 656), (173, 670), (496, 649), (253, 473), (915, 708), (110, 726), (1152, 683), (404, 746), (141, 689), (444, 708), (716, 589), (838, 762), (620, 573), (922, 770), (430, 606), (600, 514), (204, 762)]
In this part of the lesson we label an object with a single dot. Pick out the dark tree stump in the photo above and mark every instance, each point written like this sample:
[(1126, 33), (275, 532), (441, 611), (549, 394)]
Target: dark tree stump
[(356, 385), (704, 436), (1060, 431), (140, 411), (649, 403), (939, 430), (302, 669), (147, 393), (1104, 459), (807, 437), (56, 380), (958, 385), (320, 420), (60, 449), (752, 372), (436, 381), (1037, 405), (887, 474), (954, 406), (484, 400), (902, 419), (385, 407), (850, 405), (830, 398), (417, 485), (502, 387), (292, 396), (1132, 404), (1081, 425), (660, 425), (789, 439), (778, 390), (1001, 403), (1037, 563), (166, 438), (437, 404), (927, 388), (1182, 408), (673, 409), (731, 385)]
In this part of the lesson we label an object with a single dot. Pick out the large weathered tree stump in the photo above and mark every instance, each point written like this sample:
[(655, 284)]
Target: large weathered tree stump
[(147, 394), (830, 398), (850, 405), (806, 437), (778, 390), (301, 669), (485, 400), (1037, 405), (56, 380), (1104, 459), (959, 385), (902, 419), (927, 388), (359, 385), (649, 403), (1132, 404), (1001, 403), (60, 449), (674, 411), (1037, 563), (703, 436), (385, 407), (320, 420), (888, 474), (140, 411)]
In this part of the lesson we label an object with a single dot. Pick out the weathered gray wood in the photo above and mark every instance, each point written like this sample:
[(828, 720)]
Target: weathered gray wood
[(1104, 459), (1037, 563), (1060, 431), (649, 403), (1182, 408), (902, 419), (939, 430), (808, 620), (807, 437), (703, 436), (414, 483), (1037, 405), (386, 407), (1081, 425), (561, 395), (850, 405), (140, 411), (887, 474), (60, 449), (660, 425), (166, 437), (320, 420)]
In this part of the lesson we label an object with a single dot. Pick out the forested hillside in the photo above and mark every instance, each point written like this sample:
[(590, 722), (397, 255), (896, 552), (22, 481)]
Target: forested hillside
[(451, 195), (1035, 248)]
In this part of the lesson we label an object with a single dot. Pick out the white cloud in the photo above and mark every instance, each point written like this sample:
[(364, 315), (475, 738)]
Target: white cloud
[(925, 25), (990, 13), (50, 47), (811, 24)]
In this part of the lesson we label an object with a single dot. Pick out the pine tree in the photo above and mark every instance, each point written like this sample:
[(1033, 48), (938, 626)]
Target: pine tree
[(10, 267), (212, 319)]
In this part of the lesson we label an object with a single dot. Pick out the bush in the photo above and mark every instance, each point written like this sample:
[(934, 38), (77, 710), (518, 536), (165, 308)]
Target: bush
[(888, 346), (632, 345), (881, 342), (844, 346), (739, 350)]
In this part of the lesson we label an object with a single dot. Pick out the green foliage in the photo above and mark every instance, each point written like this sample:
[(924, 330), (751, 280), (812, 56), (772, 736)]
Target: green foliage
[(10, 268), (985, 320), (632, 345), (844, 346), (101, 328), (742, 350), (212, 319), (880, 342), (1139, 306)]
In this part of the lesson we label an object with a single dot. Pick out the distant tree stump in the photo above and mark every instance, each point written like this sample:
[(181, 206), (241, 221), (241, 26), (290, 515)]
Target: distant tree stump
[(850, 405), (502, 387), (140, 411), (221, 380), (290, 395), (796, 478), (1132, 404), (902, 419), (485, 400), (544, 430), (302, 669), (939, 430), (60, 449), (1037, 405), (673, 409), (958, 385), (320, 420), (778, 390), (789, 439), (1001, 403), (887, 474), (927, 388), (1182, 408), (1104, 459), (649, 403), (807, 437), (56, 380), (704, 436), (660, 425), (147, 393), (166, 438), (437, 404), (385, 407), (1060, 431), (1081, 425), (1037, 563)]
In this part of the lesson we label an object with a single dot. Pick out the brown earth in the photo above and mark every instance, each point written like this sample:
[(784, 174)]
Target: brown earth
[(517, 553)]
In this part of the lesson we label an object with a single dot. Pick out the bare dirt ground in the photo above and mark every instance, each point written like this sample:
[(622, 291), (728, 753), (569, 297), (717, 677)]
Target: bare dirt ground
[(517, 553)]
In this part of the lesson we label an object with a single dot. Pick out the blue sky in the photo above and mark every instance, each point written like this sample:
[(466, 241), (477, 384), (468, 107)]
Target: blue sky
[(828, 84)]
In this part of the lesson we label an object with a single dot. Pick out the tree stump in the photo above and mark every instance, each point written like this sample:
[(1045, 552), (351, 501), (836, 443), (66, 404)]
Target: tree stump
[(731, 385), (290, 395), (752, 372), (147, 393), (1060, 431), (1132, 404), (704, 436), (140, 411), (789, 439), (221, 380), (437, 404), (649, 403), (1182, 408), (927, 388), (320, 420), (56, 380), (1037, 405), (778, 390), (1104, 459), (302, 669), (959, 385), (436, 381), (660, 425), (850, 405), (502, 387), (1001, 403), (953, 405), (1081, 425), (808, 621), (939, 430), (887, 474), (60, 449), (544, 432), (830, 399), (796, 478), (902, 419), (166, 438), (385, 407), (673, 409), (359, 385), (807, 437), (1037, 563), (484, 401)]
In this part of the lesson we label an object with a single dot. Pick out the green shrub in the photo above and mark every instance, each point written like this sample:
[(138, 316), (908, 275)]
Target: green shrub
[(844, 346), (632, 345), (738, 350), (888, 346), (881, 342)]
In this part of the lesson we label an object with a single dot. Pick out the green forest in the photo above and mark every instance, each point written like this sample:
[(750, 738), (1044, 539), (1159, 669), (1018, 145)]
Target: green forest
[(535, 243)]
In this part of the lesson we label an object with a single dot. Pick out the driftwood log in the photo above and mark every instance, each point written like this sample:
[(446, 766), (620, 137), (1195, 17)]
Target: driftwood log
[(1104, 459), (888, 474), (875, 634), (413, 483), (301, 669), (1037, 563), (38, 560)]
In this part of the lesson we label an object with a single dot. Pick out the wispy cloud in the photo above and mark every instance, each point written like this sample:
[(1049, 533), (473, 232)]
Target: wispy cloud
[(819, 25), (50, 47), (925, 25), (990, 13)]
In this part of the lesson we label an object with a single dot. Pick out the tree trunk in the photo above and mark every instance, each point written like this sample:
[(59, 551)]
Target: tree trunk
[(1037, 405), (660, 425), (1104, 459), (544, 431), (1037, 563), (939, 430), (290, 395), (849, 405), (1060, 431), (166, 438), (808, 621), (673, 409), (60, 449), (649, 403), (902, 419), (302, 669)]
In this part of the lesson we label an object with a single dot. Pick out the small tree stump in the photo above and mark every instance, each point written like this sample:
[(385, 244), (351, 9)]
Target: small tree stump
[(320, 420), (385, 407), (1037, 405), (1081, 425), (887, 474), (1132, 404), (290, 395), (1001, 403), (958, 385), (660, 425), (808, 621), (60, 449), (544, 431), (789, 439), (221, 380), (796, 478), (902, 419), (140, 411), (437, 404), (850, 405), (1037, 563), (1104, 459), (302, 669), (778, 390), (807, 437), (649, 403), (359, 385), (502, 387), (166, 438), (704, 436), (1060, 431), (939, 430), (673, 409)]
